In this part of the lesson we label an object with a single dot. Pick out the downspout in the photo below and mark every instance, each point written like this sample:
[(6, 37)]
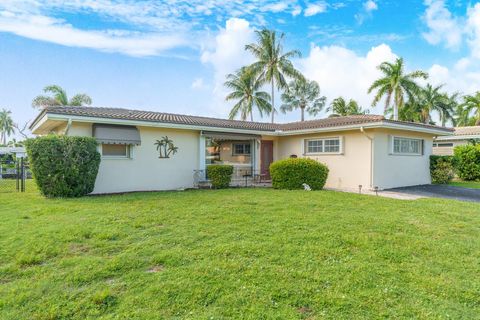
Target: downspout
[(372, 155), (69, 124)]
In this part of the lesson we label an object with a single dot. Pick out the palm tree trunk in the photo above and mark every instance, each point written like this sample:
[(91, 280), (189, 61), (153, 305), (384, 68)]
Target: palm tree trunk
[(273, 102), (251, 115), (302, 108)]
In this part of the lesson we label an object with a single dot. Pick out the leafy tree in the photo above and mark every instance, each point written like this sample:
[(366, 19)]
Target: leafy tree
[(273, 65), (59, 97), (304, 95), (246, 91), (471, 104), (394, 85), (6, 125), (341, 107), (431, 99)]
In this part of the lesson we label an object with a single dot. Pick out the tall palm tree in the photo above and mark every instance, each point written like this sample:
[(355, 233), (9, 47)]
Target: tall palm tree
[(395, 84), (341, 107), (273, 65), (6, 125), (59, 98), (471, 104), (431, 99), (246, 91), (447, 108), (304, 95)]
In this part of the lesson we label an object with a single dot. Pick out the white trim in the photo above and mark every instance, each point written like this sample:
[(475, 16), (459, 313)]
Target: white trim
[(379, 124), (459, 137), (340, 148), (129, 155)]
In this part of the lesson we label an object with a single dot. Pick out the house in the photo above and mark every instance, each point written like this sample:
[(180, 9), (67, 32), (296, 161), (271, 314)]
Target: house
[(444, 145), (366, 150)]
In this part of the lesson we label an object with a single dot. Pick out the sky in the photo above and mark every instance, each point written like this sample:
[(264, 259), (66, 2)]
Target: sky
[(173, 55)]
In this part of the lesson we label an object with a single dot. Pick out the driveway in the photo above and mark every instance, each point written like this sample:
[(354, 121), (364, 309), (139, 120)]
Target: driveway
[(441, 191)]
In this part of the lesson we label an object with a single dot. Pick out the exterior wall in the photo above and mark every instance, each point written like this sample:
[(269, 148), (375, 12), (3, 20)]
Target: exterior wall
[(145, 171), (447, 151), (347, 170), (226, 153), (391, 171)]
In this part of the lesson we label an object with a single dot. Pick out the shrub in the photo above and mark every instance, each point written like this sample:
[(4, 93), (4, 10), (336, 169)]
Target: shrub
[(467, 160), (294, 172), (443, 172), (64, 166), (220, 175)]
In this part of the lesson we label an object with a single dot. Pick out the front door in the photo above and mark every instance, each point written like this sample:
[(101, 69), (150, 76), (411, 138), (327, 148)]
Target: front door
[(266, 157)]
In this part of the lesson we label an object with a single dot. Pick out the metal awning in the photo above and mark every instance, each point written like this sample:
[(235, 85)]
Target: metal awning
[(230, 136), (116, 134)]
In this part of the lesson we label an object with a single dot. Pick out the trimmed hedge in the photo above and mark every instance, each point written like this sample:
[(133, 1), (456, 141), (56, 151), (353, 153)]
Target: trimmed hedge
[(220, 175), (467, 160), (64, 166), (294, 172), (442, 168)]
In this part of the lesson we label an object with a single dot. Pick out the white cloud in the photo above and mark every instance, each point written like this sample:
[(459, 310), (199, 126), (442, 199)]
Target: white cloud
[(473, 29), (296, 11), (198, 83), (370, 5), (226, 56), (341, 72), (443, 26), (315, 8)]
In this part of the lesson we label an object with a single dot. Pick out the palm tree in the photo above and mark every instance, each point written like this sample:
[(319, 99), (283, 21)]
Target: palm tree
[(304, 95), (6, 125), (246, 91), (471, 103), (395, 84), (447, 108), (59, 98), (273, 65), (341, 107), (431, 99)]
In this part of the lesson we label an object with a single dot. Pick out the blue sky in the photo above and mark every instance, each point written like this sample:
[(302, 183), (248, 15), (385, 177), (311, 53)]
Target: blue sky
[(173, 55)]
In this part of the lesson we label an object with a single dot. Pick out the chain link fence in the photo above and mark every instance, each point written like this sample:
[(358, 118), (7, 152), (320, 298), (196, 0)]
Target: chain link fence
[(13, 175)]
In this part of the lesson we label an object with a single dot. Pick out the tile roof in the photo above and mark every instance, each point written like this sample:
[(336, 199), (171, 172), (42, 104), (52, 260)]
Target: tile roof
[(467, 131), (137, 115)]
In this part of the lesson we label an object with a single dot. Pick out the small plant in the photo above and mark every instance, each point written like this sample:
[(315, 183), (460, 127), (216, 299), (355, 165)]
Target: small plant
[(467, 159), (293, 173), (165, 148), (220, 175)]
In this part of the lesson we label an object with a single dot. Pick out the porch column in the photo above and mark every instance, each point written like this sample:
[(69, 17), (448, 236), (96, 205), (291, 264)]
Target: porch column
[(201, 155)]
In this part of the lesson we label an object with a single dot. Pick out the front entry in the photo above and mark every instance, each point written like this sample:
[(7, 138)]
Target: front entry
[(266, 157)]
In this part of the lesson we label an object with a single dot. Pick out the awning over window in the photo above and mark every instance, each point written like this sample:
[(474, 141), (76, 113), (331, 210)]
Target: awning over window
[(116, 134), (229, 136)]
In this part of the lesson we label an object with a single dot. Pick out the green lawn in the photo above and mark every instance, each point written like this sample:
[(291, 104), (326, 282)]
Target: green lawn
[(466, 184), (244, 254)]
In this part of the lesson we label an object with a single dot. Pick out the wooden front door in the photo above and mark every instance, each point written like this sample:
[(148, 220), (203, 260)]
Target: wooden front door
[(266, 157)]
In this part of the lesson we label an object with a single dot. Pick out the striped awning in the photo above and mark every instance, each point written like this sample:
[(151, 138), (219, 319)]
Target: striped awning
[(116, 134)]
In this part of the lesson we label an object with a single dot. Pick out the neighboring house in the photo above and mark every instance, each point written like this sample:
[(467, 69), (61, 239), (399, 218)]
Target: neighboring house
[(366, 150), (19, 152), (444, 145)]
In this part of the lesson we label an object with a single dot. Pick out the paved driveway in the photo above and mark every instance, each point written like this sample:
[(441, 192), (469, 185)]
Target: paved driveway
[(441, 191)]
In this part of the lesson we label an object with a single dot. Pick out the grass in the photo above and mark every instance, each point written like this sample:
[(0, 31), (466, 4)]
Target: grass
[(466, 184), (243, 253)]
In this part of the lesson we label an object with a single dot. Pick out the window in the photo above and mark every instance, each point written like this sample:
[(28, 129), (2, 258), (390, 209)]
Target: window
[(444, 144), (327, 145), (407, 146), (115, 150), (241, 149)]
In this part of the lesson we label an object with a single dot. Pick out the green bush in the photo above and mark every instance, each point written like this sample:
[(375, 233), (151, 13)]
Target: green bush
[(64, 166), (467, 160), (443, 172), (294, 172), (220, 175)]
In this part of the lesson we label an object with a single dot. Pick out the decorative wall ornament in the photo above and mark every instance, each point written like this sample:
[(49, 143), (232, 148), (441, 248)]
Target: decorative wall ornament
[(165, 147)]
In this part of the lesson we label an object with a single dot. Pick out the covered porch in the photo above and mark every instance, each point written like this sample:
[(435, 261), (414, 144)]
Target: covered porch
[(242, 151)]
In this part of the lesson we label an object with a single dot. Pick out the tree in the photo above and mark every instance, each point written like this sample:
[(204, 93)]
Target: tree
[(447, 108), (395, 85), (246, 91), (273, 65), (341, 107), (431, 99), (304, 95), (6, 125), (471, 104), (59, 98), (21, 129)]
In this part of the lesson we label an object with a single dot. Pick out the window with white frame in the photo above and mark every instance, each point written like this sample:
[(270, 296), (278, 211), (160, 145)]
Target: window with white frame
[(407, 146), (240, 149), (115, 150), (324, 145)]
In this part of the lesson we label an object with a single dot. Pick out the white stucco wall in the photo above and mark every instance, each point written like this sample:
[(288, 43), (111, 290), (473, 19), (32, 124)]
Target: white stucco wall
[(347, 170), (145, 171), (391, 170)]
